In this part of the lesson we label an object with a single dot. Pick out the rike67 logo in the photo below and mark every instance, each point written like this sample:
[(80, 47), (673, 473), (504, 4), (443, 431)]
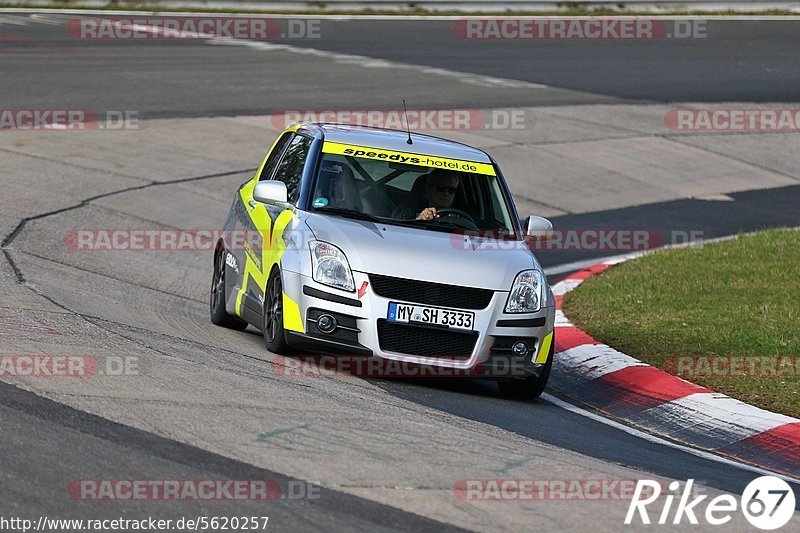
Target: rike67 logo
[(767, 502)]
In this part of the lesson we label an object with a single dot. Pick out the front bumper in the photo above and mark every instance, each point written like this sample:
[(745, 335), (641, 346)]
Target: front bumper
[(365, 333)]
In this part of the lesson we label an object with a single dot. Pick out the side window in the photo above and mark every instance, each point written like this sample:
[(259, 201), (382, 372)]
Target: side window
[(274, 157), (290, 169)]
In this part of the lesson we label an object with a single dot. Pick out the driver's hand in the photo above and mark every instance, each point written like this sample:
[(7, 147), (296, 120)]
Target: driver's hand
[(429, 213)]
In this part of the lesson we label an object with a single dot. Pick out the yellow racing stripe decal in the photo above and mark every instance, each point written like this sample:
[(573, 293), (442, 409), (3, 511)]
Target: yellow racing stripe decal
[(544, 349), (250, 271), (259, 263), (273, 251), (292, 321), (254, 266), (408, 158)]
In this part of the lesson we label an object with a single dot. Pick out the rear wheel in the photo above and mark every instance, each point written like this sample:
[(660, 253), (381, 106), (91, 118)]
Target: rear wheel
[(272, 327), (532, 387), (219, 316)]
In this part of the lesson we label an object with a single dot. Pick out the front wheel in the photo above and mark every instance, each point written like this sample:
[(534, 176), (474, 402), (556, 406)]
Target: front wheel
[(532, 387), (272, 322), (220, 316)]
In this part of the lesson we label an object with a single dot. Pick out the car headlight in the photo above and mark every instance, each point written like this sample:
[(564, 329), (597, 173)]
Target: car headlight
[(329, 266), (528, 292)]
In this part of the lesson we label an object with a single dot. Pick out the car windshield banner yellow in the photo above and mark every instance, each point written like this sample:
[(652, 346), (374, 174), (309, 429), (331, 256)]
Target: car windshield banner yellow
[(408, 158)]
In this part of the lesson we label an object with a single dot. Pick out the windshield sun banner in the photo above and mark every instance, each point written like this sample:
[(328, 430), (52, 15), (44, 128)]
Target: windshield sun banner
[(408, 158)]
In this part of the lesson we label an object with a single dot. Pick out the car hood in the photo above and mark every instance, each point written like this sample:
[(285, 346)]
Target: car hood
[(413, 253)]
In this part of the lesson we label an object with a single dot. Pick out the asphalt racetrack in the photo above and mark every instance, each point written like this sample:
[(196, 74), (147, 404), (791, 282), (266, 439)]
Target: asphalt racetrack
[(592, 150)]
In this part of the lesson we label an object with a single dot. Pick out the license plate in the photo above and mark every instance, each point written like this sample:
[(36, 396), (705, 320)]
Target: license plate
[(430, 315)]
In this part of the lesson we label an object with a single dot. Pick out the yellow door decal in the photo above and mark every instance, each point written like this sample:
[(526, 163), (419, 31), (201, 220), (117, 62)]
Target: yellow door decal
[(259, 263)]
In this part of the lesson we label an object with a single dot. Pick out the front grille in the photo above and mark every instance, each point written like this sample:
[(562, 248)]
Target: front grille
[(426, 342), (424, 292)]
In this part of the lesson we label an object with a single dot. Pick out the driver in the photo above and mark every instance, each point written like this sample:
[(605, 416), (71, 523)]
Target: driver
[(440, 191)]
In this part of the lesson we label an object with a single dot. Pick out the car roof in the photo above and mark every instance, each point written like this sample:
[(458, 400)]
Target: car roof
[(395, 140)]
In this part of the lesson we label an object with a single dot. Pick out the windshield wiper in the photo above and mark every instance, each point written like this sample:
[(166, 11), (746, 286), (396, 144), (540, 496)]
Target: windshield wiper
[(349, 213), (447, 224), (426, 224)]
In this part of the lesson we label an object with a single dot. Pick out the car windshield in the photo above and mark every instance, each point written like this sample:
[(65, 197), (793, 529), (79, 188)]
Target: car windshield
[(399, 193)]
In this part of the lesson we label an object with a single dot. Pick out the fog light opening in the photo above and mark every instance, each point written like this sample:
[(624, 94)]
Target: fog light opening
[(326, 323), (520, 349)]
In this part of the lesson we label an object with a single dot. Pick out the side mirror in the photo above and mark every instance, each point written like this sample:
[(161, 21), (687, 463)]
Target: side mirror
[(270, 191), (538, 228)]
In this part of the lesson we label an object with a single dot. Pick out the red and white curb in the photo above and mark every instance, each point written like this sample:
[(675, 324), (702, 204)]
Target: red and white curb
[(634, 392)]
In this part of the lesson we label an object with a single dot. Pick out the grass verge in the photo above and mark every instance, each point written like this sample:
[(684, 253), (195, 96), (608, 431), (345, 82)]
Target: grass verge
[(725, 315)]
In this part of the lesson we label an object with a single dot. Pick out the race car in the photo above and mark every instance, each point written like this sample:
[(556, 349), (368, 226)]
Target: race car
[(368, 242)]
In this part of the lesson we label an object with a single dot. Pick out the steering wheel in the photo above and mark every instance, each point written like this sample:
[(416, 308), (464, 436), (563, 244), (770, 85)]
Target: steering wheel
[(458, 217)]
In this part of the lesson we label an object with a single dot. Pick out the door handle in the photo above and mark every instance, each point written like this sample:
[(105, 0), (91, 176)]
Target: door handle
[(252, 204)]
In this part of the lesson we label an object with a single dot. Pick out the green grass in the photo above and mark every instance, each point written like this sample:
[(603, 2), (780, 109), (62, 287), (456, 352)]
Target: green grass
[(734, 298)]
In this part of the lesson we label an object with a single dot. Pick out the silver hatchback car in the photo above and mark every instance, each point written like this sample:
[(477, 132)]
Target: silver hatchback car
[(405, 249)]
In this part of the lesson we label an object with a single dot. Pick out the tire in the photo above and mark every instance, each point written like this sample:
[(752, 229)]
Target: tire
[(219, 316), (272, 315), (532, 387)]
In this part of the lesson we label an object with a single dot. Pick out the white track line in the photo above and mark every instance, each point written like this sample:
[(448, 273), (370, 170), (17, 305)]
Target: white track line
[(14, 21), (349, 59), (44, 19), (385, 64), (657, 440)]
